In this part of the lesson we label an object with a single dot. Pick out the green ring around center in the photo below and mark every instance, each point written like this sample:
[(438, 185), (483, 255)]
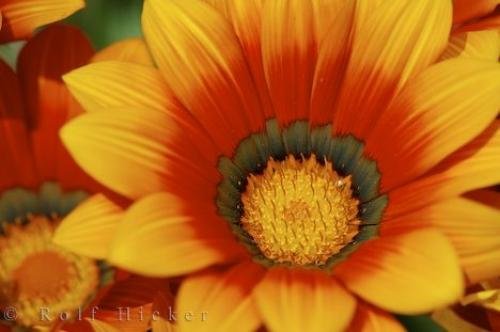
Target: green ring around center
[(346, 154)]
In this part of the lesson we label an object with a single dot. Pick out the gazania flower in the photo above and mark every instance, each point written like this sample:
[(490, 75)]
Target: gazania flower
[(19, 18), (293, 159), (479, 309), (41, 282)]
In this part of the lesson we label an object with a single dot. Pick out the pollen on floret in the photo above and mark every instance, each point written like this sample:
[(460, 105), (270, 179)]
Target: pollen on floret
[(299, 210), (35, 273)]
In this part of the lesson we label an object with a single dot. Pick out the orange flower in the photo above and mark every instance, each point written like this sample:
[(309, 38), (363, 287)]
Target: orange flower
[(296, 159), (40, 184), (479, 310), (19, 18)]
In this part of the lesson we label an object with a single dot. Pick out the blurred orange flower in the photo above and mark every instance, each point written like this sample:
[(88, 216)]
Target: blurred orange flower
[(40, 184)]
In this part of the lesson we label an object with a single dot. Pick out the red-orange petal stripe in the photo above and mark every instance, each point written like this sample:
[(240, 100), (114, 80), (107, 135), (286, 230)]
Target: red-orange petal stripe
[(436, 113), (333, 57), (246, 19), (372, 319), (18, 167), (41, 64), (396, 41), (472, 10), (473, 166), (289, 51), (200, 57)]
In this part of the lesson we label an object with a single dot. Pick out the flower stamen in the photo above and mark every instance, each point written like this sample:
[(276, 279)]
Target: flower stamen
[(300, 211), (36, 274)]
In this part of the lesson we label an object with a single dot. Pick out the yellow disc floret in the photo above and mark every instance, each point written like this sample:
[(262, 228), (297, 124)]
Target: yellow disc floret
[(300, 211), (38, 278)]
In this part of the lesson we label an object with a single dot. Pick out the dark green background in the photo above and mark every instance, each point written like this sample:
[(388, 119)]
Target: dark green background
[(106, 21)]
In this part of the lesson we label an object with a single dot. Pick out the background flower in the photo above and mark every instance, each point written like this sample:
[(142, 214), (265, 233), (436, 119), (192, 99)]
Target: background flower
[(40, 184)]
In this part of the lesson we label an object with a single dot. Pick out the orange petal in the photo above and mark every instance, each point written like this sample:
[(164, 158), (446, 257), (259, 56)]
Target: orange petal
[(303, 300), (113, 84), (175, 242), (473, 166), (420, 128), (76, 326), (18, 167), (485, 196), (333, 56), (396, 41), (41, 64), (21, 17), (132, 50), (473, 228), (100, 326), (325, 14), (134, 291), (135, 296), (199, 55), (89, 229), (220, 301), (494, 320), (489, 22), (289, 50), (408, 274), (484, 45), (246, 19), (162, 325), (475, 232), (137, 152), (449, 320), (372, 319), (469, 10), (163, 308)]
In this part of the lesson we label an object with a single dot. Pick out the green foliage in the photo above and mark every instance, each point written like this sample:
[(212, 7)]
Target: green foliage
[(420, 323), (106, 21)]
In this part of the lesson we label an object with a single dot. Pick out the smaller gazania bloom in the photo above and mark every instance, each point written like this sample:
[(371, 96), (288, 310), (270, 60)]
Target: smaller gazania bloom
[(479, 309), (20, 18), (40, 185), (295, 159)]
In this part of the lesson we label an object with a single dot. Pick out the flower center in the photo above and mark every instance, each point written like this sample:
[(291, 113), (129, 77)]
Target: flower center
[(37, 274), (300, 211), (286, 198)]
